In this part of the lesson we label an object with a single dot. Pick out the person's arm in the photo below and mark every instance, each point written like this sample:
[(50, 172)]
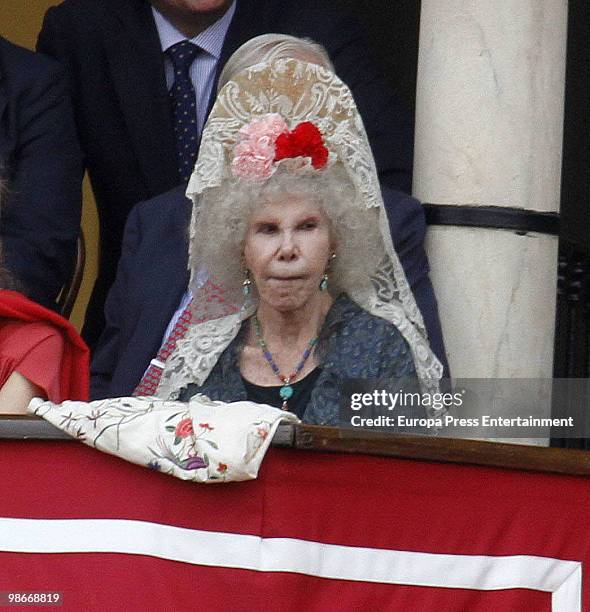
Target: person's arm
[(16, 393), (109, 347), (408, 231), (41, 214)]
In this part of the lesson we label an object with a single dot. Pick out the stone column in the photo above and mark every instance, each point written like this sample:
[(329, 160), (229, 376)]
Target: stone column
[(489, 122)]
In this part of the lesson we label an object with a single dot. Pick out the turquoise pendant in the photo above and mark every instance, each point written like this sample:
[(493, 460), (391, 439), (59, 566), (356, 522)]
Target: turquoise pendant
[(286, 392), (324, 283)]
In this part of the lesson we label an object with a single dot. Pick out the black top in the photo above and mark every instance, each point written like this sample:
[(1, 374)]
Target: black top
[(270, 395)]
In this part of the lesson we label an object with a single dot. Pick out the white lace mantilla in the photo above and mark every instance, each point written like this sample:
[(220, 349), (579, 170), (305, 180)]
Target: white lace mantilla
[(298, 91), (196, 355)]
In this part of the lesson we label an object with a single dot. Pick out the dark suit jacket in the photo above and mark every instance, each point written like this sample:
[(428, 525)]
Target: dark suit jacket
[(42, 167), (152, 278), (113, 55)]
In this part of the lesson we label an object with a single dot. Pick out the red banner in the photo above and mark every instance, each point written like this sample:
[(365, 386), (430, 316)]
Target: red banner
[(315, 532)]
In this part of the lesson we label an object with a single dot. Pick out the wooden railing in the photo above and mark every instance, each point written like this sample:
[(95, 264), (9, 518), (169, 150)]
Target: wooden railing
[(332, 439)]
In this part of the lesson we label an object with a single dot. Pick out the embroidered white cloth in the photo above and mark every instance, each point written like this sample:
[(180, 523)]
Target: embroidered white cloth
[(203, 441)]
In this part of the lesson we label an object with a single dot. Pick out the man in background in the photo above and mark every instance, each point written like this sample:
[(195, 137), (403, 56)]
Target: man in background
[(143, 75), (40, 174)]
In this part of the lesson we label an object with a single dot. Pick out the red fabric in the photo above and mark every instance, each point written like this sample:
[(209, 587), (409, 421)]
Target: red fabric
[(151, 379), (210, 295), (34, 350), (304, 140), (43, 347), (340, 499)]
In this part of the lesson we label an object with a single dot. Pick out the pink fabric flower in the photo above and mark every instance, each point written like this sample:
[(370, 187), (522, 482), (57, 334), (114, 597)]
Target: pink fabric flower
[(184, 428), (255, 151)]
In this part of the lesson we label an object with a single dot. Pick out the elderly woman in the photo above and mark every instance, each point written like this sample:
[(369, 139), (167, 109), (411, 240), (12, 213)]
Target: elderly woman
[(296, 283)]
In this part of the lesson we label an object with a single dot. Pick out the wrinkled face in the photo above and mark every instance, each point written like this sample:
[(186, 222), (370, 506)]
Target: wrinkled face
[(287, 249)]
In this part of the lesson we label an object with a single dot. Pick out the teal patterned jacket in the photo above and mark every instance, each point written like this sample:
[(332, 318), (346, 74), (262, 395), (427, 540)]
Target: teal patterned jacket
[(353, 344)]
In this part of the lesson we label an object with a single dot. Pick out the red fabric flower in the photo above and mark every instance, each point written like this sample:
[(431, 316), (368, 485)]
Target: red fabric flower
[(222, 468), (304, 140), (184, 428)]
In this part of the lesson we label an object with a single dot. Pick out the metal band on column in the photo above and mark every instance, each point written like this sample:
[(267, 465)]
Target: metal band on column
[(494, 217)]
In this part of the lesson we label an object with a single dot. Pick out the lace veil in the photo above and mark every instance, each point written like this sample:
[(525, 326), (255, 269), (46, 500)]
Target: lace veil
[(299, 91)]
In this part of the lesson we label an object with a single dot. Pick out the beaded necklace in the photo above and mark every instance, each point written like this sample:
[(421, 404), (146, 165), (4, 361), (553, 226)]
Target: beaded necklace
[(286, 391)]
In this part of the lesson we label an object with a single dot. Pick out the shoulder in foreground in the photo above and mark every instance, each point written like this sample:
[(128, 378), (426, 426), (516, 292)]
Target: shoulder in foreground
[(399, 205), (17, 61), (82, 22), (173, 202), (393, 195), (86, 10)]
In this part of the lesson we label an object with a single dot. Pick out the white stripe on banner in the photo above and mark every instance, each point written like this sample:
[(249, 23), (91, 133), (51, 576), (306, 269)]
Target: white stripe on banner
[(561, 578)]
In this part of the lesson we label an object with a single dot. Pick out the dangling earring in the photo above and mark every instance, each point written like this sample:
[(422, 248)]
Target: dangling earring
[(247, 284), (324, 281)]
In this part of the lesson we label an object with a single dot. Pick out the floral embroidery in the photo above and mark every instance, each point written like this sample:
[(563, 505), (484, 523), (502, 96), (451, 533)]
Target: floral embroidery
[(194, 463), (184, 428), (183, 452), (202, 440)]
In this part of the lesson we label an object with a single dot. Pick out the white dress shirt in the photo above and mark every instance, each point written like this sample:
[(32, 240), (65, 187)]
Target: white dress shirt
[(202, 72)]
